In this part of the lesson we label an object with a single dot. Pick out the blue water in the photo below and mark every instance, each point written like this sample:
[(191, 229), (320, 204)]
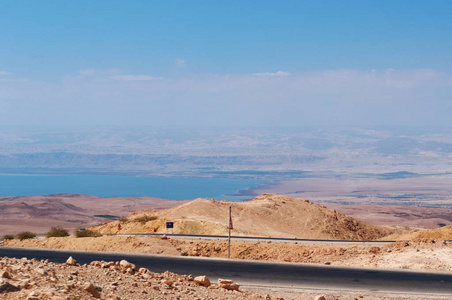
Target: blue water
[(177, 188)]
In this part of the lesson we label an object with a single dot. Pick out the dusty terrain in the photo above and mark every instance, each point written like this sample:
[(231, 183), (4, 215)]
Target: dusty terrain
[(39, 213), (266, 215)]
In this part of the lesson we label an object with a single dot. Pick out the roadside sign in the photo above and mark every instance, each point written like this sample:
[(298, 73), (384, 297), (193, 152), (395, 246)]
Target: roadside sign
[(169, 225)]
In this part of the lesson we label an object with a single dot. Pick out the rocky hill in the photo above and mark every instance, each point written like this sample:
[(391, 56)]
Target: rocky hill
[(443, 233), (266, 215)]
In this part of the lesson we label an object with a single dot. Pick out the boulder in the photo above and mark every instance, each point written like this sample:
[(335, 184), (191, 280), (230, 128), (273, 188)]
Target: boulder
[(7, 287), (168, 282), (320, 297), (41, 271), (35, 295), (71, 262), (124, 264), (202, 280), (90, 288), (228, 284), (5, 274)]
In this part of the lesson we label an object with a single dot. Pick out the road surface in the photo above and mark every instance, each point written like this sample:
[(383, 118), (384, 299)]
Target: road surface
[(259, 273)]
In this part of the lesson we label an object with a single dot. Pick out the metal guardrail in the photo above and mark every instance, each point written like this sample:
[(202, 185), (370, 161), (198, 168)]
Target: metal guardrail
[(250, 238)]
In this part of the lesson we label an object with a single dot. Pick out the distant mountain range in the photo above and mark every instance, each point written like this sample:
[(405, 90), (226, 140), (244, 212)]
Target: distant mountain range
[(228, 151)]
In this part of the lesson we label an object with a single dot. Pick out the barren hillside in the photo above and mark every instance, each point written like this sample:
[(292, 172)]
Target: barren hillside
[(443, 233), (39, 213), (266, 215)]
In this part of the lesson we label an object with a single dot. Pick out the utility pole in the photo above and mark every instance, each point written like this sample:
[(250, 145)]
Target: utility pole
[(229, 234)]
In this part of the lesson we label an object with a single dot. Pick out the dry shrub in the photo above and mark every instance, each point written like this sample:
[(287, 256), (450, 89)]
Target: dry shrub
[(8, 237), (24, 235), (57, 232), (86, 233), (145, 219)]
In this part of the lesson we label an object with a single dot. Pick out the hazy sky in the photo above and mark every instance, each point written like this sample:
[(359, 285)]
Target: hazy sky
[(226, 62)]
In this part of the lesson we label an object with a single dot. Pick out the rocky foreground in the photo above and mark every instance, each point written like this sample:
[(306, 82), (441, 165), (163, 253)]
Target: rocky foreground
[(30, 279), (35, 280)]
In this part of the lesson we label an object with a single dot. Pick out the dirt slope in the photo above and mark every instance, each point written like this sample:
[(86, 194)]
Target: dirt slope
[(266, 215), (412, 216), (443, 233)]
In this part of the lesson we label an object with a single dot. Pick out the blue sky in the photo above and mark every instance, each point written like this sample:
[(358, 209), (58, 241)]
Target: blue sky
[(225, 63)]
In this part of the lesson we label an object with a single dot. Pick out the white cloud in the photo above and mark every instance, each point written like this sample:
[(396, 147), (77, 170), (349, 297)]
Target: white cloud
[(134, 77), (178, 62), (4, 73), (276, 74)]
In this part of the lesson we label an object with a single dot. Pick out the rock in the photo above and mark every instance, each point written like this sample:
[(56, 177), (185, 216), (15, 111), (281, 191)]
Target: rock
[(7, 287), (25, 283), (43, 272), (202, 280), (90, 288), (129, 271), (168, 282), (34, 295), (95, 263), (126, 265), (5, 274), (320, 297), (143, 270), (228, 284), (71, 262), (164, 237)]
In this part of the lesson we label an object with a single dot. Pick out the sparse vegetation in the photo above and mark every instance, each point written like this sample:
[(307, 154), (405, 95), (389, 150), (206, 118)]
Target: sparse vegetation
[(8, 237), (86, 233), (145, 219), (123, 220), (57, 232), (26, 235)]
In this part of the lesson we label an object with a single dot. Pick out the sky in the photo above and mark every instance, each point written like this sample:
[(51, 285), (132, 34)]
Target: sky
[(226, 63)]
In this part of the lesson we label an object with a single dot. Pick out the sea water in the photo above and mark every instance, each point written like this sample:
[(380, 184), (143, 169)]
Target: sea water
[(177, 188)]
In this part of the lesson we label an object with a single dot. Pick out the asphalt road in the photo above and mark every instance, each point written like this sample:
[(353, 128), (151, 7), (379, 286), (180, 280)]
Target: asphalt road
[(264, 273), (261, 239)]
